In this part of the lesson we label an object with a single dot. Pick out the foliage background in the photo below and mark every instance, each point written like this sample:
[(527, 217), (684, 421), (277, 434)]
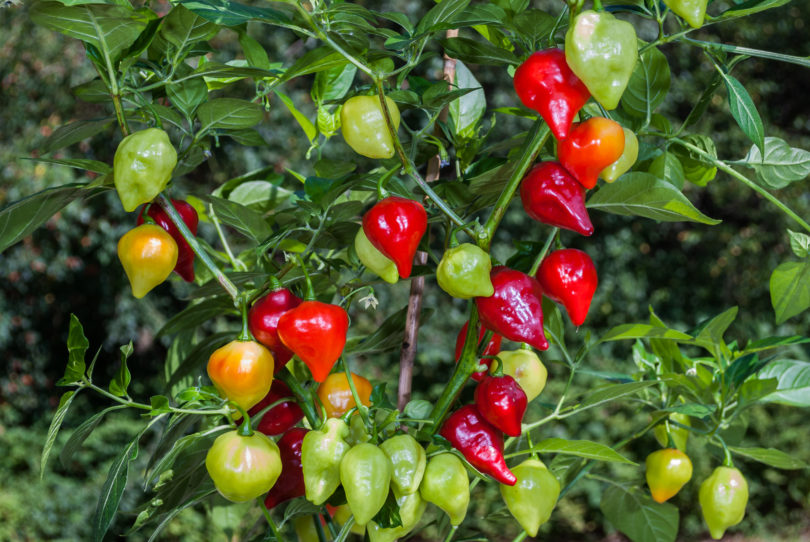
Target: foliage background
[(686, 272)]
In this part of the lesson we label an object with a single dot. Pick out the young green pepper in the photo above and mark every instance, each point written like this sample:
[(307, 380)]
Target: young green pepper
[(374, 260), (625, 161), (532, 499), (408, 459), (142, 166), (365, 472), (464, 271), (691, 11), (525, 367), (668, 470), (446, 485), (321, 455), (723, 497), (679, 434)]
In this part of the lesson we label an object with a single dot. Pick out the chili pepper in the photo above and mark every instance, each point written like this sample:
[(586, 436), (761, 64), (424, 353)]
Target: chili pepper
[(243, 467), (342, 514), (263, 322), (142, 166), (185, 256), (602, 50), (545, 83), (363, 125), (316, 333), (374, 260), (411, 509), (492, 348), (148, 254), (552, 196), (568, 276), (526, 368), (532, 499), (321, 453), (395, 226), (305, 529), (242, 371), (365, 472), (463, 272), (590, 147), (408, 460), (281, 417), (668, 470), (502, 402), (336, 394), (723, 497), (479, 442), (691, 11), (679, 434), (290, 483), (515, 310), (625, 161), (446, 485)]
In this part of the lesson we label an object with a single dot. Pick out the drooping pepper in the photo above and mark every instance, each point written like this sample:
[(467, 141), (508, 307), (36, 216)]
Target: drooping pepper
[(243, 467), (532, 499), (723, 497), (148, 254), (395, 226), (281, 417), (185, 256), (411, 509), (545, 83), (263, 322), (316, 333), (502, 402), (515, 310), (142, 166), (526, 368), (590, 147), (479, 442), (336, 394), (679, 435), (373, 259), (363, 125), (365, 472), (625, 161), (568, 276), (602, 50), (491, 349), (552, 196), (668, 470), (691, 11), (463, 272), (321, 453), (290, 483), (242, 371), (446, 485), (408, 459)]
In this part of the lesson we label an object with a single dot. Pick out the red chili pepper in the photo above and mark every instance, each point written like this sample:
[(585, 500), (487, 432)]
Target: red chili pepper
[(552, 196), (479, 442), (316, 333), (281, 417), (263, 322), (185, 256), (568, 276), (515, 310), (502, 402), (290, 483), (493, 347), (545, 83), (395, 226), (590, 147)]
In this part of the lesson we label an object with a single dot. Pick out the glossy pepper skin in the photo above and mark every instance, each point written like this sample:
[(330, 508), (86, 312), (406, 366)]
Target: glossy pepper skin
[(527, 370), (602, 51), (545, 83), (364, 128), (590, 147), (568, 276), (446, 485), (243, 467), (552, 196), (532, 499), (336, 395), (723, 497), (515, 310), (679, 434), (625, 161), (142, 167), (502, 402), (374, 260), (463, 272), (668, 470), (395, 226), (290, 483), (242, 371), (479, 442), (321, 454), (411, 509), (185, 256), (316, 333), (691, 11), (491, 349), (365, 473), (263, 322), (408, 460), (281, 417), (148, 254)]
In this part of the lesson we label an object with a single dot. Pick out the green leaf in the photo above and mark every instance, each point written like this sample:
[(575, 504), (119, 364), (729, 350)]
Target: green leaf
[(696, 168), (694, 410), (794, 382), (441, 13), (553, 323), (643, 331), (229, 114), (77, 163), (187, 95), (160, 405), (770, 456), (775, 342), (648, 85), (229, 13), (81, 433), (613, 392), (638, 516), (799, 244), (197, 314), (668, 168), (198, 356), (120, 383), (709, 333), (58, 417), (316, 60), (641, 194), (388, 335), (743, 367), (467, 110), (580, 448), (77, 345), (790, 289), (780, 164), (113, 489), (249, 222), (535, 25), (182, 28), (418, 409), (309, 129), (69, 134), (744, 111), (703, 102), (751, 7), (334, 83), (478, 52)]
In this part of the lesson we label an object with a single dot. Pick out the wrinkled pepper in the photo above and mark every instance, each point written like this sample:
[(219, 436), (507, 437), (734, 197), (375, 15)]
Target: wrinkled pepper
[(408, 459), (316, 333), (463, 272), (185, 256), (532, 499), (395, 226), (336, 394), (321, 453), (568, 276), (242, 372), (723, 497), (446, 485), (263, 322), (502, 402), (142, 166), (365, 472), (290, 483), (411, 509), (552, 196), (241, 466)]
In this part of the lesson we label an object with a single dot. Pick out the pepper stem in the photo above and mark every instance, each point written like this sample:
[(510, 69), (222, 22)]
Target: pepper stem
[(498, 372), (245, 430), (245, 334), (310, 292), (727, 459)]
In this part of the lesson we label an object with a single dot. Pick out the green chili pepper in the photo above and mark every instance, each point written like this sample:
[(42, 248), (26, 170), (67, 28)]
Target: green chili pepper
[(533, 497), (142, 166), (321, 454), (446, 485), (464, 272), (691, 11), (365, 473), (409, 460)]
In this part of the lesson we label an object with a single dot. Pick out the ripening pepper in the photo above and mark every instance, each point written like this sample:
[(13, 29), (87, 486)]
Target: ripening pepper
[(602, 50), (365, 472), (723, 497), (446, 485), (290, 483), (321, 453), (411, 509), (532, 499), (552, 196), (478, 441), (142, 166), (625, 161), (395, 226), (679, 434), (691, 11), (463, 272), (243, 467), (148, 254), (336, 394), (316, 333), (242, 372), (491, 349), (263, 322), (408, 460), (502, 402), (363, 125), (590, 147), (374, 260), (280, 418), (568, 276), (185, 256), (526, 368), (668, 470)]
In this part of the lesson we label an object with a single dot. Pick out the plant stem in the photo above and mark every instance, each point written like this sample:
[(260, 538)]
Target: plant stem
[(236, 264), (269, 519), (452, 533), (300, 394), (357, 402), (542, 254), (143, 406)]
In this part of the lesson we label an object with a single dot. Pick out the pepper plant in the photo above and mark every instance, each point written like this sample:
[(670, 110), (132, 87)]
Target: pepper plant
[(423, 206)]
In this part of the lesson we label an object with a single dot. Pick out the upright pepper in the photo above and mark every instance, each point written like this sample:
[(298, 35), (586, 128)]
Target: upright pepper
[(316, 333), (395, 226), (263, 322), (281, 417), (411, 509), (374, 260), (185, 256), (290, 483), (321, 454), (242, 371), (527, 369), (491, 349), (532, 499), (148, 254), (446, 485), (668, 470), (336, 394), (142, 166), (590, 147), (365, 472), (568, 276), (691, 11), (502, 402), (625, 161), (515, 310), (552, 196), (479, 442), (723, 497), (408, 459), (463, 272)]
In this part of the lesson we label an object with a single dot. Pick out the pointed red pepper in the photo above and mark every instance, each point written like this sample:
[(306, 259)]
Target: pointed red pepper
[(185, 256), (590, 147), (493, 347), (568, 276), (395, 227), (545, 83), (290, 483), (502, 402), (515, 310), (316, 333), (281, 417), (263, 322), (552, 196), (479, 442)]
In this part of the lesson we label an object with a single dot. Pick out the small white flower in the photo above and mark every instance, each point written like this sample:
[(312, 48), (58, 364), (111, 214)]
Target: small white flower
[(691, 372), (369, 301)]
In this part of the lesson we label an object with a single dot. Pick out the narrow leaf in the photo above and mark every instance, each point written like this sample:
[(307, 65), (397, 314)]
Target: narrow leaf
[(579, 448), (643, 331), (770, 456), (53, 430), (81, 433), (77, 345), (744, 111), (120, 383), (229, 114), (613, 392), (113, 489), (306, 125)]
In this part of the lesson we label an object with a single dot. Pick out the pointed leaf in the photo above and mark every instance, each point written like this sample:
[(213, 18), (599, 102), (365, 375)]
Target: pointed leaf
[(229, 114), (790, 289), (780, 164), (579, 448), (81, 433), (56, 423), (643, 331), (120, 383), (793, 382), (113, 489), (770, 456), (648, 85), (638, 516), (744, 111)]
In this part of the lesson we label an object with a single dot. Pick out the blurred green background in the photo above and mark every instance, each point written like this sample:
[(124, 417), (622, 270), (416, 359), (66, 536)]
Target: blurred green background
[(685, 272)]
